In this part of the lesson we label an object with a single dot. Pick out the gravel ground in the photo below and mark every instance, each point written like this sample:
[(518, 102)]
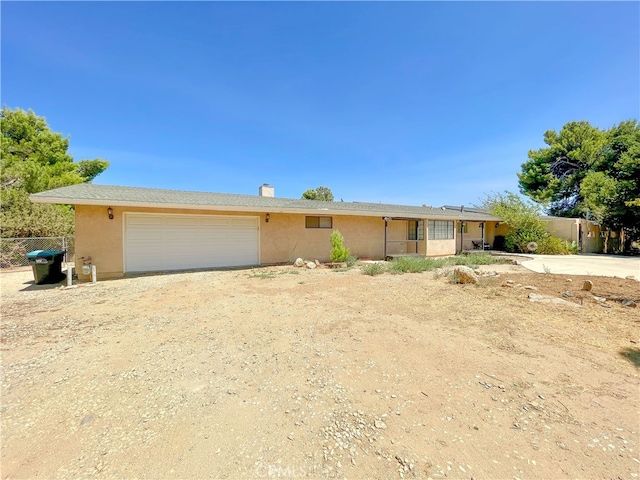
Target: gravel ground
[(283, 372)]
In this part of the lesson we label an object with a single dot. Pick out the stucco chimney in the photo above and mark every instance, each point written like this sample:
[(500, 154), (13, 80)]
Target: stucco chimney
[(266, 190)]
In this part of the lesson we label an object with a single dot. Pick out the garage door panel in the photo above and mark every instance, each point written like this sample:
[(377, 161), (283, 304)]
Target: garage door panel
[(181, 222), (213, 221), (149, 221), (173, 242)]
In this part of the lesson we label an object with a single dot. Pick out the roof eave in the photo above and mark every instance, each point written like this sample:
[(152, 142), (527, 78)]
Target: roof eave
[(446, 215)]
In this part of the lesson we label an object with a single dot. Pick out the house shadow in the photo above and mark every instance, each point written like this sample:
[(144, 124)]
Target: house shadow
[(162, 273), (631, 354), (32, 286)]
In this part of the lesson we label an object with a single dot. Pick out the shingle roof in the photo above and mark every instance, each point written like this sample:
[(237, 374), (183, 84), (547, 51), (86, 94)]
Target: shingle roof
[(111, 195)]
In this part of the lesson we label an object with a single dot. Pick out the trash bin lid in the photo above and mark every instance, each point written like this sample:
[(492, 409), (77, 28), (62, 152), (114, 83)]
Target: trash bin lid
[(43, 253)]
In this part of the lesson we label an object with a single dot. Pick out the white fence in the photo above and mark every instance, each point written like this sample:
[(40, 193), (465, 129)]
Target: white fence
[(13, 251)]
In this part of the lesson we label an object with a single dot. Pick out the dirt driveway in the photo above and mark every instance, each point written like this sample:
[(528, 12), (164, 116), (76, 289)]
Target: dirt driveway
[(289, 373)]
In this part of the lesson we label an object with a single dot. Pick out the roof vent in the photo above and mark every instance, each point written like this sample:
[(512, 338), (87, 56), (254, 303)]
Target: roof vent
[(266, 190)]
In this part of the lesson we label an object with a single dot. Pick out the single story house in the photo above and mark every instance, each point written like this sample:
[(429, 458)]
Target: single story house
[(129, 229)]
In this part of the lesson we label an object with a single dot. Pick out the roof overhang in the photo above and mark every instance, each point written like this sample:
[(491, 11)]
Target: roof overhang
[(446, 215)]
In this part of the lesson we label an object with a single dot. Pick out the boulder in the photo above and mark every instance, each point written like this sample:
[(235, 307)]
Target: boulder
[(464, 274), (298, 263), (587, 285), (629, 303), (311, 265), (536, 297)]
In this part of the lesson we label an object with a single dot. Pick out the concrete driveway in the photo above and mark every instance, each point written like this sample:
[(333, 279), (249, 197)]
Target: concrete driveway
[(586, 264)]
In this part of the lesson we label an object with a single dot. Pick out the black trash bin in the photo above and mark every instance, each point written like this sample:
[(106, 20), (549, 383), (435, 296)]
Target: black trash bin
[(47, 266)]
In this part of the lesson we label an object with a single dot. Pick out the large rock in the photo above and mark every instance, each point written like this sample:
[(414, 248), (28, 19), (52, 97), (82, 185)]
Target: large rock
[(311, 265), (464, 274), (298, 263), (536, 297), (587, 285)]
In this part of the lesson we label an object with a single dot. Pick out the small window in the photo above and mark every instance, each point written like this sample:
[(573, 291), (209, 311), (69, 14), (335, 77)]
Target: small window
[(440, 229), (318, 222), (416, 230), (464, 227)]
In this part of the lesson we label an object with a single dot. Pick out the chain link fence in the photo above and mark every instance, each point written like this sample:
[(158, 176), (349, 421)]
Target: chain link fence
[(13, 251)]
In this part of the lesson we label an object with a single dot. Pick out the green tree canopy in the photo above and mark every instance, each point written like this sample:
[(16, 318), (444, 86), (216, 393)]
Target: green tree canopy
[(320, 193), (587, 171), (34, 159)]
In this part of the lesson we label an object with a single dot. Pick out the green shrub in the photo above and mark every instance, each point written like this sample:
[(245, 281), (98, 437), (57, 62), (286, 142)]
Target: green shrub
[(415, 264), (547, 244), (373, 269), (423, 264), (475, 259), (339, 253), (556, 246), (262, 275), (351, 260)]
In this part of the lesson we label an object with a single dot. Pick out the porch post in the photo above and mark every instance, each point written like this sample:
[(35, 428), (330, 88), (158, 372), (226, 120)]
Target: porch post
[(386, 219), (386, 222)]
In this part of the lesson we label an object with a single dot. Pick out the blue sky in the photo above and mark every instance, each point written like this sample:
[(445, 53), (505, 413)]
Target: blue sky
[(411, 103)]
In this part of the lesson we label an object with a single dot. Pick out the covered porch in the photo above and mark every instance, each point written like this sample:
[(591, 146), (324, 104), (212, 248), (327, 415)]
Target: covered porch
[(480, 235), (403, 237)]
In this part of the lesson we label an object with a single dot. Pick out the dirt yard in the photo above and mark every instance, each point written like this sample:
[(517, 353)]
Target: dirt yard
[(292, 373)]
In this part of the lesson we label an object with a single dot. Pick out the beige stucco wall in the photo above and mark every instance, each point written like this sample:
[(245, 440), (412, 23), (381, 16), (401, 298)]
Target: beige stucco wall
[(283, 239), (437, 248), (100, 238), (286, 238), (567, 229), (591, 240)]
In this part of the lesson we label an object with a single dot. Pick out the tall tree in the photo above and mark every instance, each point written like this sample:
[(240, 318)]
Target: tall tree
[(34, 159), (319, 193), (587, 171), (552, 175)]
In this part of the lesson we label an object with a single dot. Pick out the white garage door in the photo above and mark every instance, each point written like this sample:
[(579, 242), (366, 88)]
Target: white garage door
[(176, 242)]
